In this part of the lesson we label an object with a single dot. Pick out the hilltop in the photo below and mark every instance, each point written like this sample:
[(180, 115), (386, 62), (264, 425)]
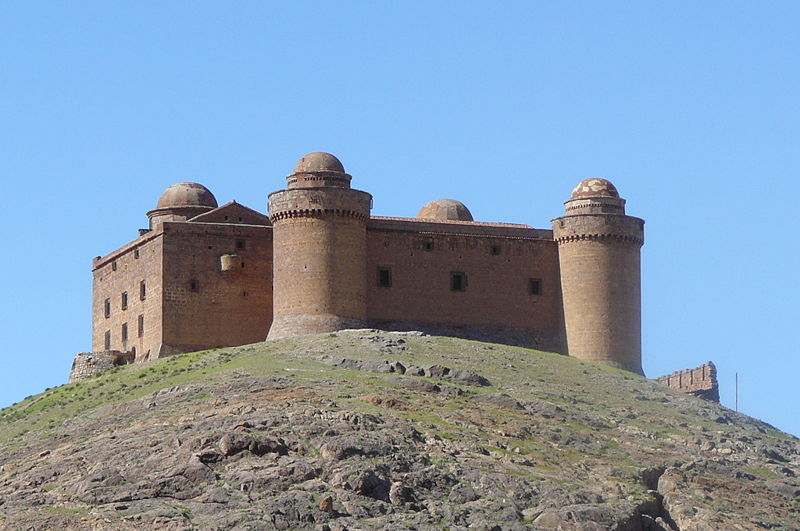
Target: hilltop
[(373, 430)]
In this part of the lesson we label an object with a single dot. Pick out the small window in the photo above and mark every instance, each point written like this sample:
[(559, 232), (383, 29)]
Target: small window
[(136, 253), (107, 308), (107, 340), (242, 265), (124, 300), (494, 250), (124, 335), (535, 286), (428, 246), (458, 281), (142, 290), (384, 277), (140, 327), (114, 265), (240, 220), (193, 285), (240, 243)]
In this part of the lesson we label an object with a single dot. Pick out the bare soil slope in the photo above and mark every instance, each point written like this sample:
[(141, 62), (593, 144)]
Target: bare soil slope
[(375, 430)]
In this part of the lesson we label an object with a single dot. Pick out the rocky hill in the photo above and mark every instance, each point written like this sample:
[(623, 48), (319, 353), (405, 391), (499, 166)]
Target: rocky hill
[(374, 430)]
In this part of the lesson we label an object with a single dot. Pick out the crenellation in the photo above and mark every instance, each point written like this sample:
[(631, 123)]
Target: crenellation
[(700, 381)]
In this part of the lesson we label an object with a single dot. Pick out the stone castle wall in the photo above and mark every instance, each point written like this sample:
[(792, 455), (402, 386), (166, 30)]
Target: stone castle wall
[(217, 280), (496, 302), (126, 271), (700, 381)]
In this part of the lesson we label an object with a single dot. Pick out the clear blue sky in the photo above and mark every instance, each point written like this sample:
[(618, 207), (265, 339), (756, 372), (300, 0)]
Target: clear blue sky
[(690, 108)]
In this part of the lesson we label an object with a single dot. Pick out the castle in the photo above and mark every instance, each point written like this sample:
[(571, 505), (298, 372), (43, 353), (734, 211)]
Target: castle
[(205, 276)]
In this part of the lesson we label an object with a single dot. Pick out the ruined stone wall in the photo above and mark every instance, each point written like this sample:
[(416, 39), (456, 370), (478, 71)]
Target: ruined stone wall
[(701, 381), (86, 364), (208, 303), (498, 264), (123, 271)]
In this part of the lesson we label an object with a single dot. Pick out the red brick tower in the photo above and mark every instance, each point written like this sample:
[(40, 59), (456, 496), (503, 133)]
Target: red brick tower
[(598, 251), (320, 250)]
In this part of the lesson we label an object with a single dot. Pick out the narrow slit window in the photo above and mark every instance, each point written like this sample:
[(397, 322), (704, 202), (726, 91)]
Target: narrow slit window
[(240, 244), (114, 265), (124, 302), (124, 335), (535, 286), (107, 308), (107, 340), (458, 281), (194, 285), (384, 277), (142, 290), (428, 246), (136, 253), (140, 327), (494, 250)]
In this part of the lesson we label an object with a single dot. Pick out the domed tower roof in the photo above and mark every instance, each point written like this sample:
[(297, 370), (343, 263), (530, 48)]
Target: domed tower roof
[(187, 195), (318, 161), (318, 169), (180, 202), (445, 209), (594, 188), (594, 196)]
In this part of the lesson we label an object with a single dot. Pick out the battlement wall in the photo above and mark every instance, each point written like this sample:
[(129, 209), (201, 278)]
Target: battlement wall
[(700, 381)]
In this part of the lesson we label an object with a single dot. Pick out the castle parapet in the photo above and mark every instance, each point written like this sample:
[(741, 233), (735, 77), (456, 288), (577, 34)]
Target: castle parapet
[(700, 381)]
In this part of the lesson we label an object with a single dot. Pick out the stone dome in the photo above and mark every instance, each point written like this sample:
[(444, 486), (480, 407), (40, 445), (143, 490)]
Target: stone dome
[(594, 188), (187, 195), (446, 209), (318, 161)]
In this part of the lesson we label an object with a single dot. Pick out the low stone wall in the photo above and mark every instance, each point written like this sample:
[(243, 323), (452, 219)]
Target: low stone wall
[(701, 381), (86, 364)]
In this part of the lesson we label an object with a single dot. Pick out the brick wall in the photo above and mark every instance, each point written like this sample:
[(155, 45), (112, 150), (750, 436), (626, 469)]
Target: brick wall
[(498, 263), (701, 381), (123, 271), (205, 304)]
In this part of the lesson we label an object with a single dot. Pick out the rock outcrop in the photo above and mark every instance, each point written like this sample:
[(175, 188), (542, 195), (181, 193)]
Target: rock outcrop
[(329, 433)]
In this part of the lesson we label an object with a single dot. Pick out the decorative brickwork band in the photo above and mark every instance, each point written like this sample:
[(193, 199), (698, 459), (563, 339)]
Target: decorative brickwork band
[(600, 237), (318, 213)]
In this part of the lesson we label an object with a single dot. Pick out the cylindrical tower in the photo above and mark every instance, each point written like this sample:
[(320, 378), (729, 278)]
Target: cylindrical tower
[(319, 229), (598, 251)]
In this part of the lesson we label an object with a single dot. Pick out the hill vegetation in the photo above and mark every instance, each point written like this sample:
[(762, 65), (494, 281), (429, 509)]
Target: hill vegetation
[(374, 430)]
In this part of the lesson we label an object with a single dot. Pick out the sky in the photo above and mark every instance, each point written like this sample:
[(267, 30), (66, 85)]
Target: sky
[(690, 108)]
